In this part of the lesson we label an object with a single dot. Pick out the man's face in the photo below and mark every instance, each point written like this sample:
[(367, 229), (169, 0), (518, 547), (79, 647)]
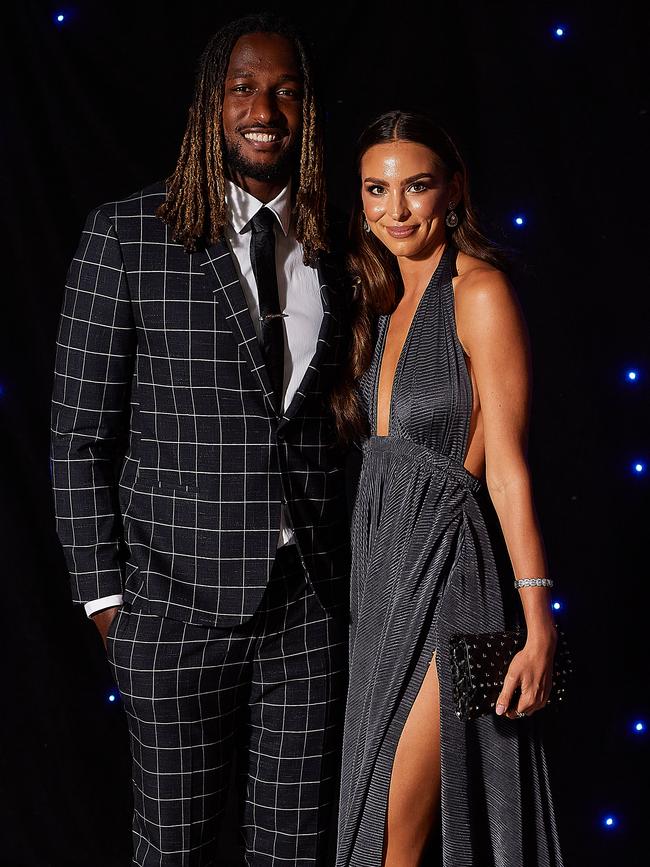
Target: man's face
[(262, 107)]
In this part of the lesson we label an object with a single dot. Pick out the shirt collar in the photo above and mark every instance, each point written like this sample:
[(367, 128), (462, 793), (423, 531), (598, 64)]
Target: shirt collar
[(242, 207)]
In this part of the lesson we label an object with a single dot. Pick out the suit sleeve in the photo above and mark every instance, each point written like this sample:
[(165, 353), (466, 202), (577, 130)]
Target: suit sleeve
[(95, 356)]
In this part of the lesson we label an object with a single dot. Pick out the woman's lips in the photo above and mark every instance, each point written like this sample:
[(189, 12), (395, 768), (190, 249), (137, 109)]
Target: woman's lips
[(400, 231)]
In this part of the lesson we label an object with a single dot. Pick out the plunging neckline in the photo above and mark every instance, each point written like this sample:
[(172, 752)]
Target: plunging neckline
[(402, 353)]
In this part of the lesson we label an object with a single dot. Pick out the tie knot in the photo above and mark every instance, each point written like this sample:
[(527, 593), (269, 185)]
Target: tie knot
[(263, 221)]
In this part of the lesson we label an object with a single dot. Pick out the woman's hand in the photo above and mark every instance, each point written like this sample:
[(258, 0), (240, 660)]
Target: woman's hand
[(531, 670)]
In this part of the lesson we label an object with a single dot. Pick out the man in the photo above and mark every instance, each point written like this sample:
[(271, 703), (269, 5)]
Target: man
[(199, 493)]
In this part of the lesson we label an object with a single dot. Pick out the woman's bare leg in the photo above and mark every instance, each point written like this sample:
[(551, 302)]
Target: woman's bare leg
[(414, 795)]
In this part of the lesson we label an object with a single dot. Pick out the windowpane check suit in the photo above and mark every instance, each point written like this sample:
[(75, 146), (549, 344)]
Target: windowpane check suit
[(172, 462)]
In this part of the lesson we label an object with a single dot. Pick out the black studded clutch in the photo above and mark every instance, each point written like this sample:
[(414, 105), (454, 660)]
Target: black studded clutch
[(479, 664)]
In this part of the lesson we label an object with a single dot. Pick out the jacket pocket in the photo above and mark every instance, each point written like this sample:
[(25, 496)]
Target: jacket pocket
[(179, 482)]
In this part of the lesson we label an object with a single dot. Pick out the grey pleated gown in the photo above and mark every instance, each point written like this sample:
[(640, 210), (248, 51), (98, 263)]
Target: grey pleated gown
[(424, 567)]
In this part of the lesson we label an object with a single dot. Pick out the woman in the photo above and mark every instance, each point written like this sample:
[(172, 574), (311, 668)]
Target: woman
[(443, 396)]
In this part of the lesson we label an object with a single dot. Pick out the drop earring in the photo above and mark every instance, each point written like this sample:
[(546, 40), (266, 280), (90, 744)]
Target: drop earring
[(366, 227), (451, 219)]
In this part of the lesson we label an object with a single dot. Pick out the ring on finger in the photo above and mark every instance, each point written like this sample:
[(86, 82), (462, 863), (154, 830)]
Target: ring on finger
[(519, 714)]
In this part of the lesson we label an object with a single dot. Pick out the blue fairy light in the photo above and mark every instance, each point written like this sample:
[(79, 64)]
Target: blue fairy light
[(557, 605), (519, 220), (60, 18), (639, 727), (632, 375), (639, 468), (112, 697), (610, 821), (559, 32)]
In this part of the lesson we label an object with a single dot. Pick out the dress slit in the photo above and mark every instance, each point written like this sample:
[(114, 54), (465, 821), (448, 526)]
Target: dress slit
[(386, 758)]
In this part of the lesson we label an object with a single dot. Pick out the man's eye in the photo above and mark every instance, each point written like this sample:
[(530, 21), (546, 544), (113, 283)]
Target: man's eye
[(240, 88), (287, 91)]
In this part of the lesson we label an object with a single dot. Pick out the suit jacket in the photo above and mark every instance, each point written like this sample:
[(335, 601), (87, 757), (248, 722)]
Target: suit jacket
[(170, 457)]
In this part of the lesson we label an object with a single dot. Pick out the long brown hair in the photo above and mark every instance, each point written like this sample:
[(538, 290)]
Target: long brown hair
[(374, 269), (195, 207)]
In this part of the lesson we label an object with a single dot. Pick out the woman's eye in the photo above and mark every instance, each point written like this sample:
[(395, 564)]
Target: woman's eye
[(417, 187), (375, 190)]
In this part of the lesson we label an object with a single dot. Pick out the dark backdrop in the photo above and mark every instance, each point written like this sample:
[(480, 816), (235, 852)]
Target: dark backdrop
[(557, 130)]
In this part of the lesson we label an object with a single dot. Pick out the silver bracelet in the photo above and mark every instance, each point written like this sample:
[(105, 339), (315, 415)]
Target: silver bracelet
[(533, 582)]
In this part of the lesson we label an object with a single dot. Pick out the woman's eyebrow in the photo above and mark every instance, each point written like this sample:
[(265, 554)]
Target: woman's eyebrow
[(385, 183), (419, 177)]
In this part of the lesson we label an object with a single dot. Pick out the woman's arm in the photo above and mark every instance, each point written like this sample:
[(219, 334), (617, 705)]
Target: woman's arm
[(493, 334)]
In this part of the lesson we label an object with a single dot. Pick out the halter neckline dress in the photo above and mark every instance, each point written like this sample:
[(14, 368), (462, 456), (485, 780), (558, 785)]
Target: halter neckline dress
[(424, 565)]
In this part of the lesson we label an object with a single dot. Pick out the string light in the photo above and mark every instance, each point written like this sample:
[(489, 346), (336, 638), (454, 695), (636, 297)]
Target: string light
[(60, 18), (557, 605), (519, 220), (632, 375), (639, 727), (639, 468), (610, 821), (559, 32), (112, 697)]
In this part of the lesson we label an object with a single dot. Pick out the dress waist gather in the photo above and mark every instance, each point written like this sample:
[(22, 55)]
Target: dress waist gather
[(406, 449)]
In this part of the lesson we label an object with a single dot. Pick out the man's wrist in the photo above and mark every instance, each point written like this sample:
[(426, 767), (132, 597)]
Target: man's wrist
[(97, 605)]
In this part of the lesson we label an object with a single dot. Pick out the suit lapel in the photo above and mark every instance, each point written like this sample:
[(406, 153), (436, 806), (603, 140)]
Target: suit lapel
[(217, 262)]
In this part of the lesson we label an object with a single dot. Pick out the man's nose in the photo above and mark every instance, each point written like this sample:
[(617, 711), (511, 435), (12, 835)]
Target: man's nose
[(265, 107)]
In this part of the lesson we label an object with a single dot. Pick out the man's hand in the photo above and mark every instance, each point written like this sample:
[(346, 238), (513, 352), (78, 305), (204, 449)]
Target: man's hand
[(103, 620)]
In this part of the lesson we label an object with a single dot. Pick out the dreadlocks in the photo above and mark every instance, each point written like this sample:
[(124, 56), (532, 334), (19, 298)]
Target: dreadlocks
[(195, 206)]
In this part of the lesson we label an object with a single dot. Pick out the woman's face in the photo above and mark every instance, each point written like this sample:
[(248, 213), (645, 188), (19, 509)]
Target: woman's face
[(405, 195)]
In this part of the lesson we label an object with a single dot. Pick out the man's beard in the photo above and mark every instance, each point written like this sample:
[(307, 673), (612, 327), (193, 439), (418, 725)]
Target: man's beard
[(242, 166)]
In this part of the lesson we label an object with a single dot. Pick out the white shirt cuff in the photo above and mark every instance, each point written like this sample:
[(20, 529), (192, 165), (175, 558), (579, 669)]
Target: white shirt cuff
[(100, 604)]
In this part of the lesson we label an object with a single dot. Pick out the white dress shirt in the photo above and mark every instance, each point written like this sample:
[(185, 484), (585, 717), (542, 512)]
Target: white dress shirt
[(300, 299)]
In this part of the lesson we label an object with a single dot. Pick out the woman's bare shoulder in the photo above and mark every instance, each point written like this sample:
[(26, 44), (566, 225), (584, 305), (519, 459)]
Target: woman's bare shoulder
[(478, 282), (485, 302)]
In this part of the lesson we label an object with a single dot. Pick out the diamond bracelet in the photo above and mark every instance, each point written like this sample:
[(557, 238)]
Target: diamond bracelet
[(533, 582)]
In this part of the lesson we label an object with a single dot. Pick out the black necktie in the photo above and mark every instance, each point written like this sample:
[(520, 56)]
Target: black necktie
[(263, 262)]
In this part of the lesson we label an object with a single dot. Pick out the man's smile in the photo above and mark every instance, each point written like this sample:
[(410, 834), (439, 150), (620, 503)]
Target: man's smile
[(262, 136), (264, 139)]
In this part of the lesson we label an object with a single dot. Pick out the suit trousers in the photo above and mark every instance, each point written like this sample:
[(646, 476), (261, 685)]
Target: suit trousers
[(270, 691)]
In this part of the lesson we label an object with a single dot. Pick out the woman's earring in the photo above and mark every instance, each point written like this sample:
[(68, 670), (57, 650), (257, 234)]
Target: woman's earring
[(451, 219), (366, 227)]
